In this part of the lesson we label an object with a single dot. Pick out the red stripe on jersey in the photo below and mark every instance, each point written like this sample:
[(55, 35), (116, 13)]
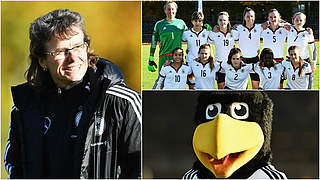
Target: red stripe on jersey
[(169, 22), (162, 76), (165, 54), (310, 42), (278, 59)]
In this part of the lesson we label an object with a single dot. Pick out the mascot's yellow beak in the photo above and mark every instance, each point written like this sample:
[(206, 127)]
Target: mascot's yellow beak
[(225, 144)]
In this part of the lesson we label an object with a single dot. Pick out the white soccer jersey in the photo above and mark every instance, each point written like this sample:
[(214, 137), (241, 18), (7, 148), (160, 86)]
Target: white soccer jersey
[(248, 40), (300, 39), (194, 41), (174, 79), (274, 40), (265, 172), (269, 77), (236, 79), (223, 43), (203, 75), (292, 74)]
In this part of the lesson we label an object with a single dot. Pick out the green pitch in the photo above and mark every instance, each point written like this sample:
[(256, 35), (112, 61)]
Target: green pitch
[(148, 78)]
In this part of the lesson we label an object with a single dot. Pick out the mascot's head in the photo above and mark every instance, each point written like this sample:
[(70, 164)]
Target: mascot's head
[(233, 132)]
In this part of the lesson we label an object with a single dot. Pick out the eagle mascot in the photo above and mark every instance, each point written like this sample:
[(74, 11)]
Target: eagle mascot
[(233, 135)]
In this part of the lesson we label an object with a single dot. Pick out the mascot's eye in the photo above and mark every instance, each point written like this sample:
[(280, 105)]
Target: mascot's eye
[(213, 110), (239, 110)]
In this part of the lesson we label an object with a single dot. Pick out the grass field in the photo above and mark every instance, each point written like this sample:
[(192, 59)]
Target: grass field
[(148, 78)]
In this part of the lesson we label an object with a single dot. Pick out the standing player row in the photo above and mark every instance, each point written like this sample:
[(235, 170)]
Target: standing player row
[(247, 36)]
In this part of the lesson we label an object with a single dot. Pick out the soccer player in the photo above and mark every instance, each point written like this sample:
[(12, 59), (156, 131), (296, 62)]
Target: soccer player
[(174, 76), (237, 73), (269, 71), (195, 37), (204, 68), (248, 40), (297, 70), (169, 32), (274, 37), (299, 36), (223, 42)]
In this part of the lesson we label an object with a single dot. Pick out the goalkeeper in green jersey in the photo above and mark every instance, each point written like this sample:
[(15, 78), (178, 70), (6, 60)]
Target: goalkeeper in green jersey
[(169, 32)]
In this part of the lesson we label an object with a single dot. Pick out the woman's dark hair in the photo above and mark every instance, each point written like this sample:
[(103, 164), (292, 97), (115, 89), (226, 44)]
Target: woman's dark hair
[(266, 52), (247, 9), (301, 63), (58, 24), (197, 16), (211, 60), (176, 49), (232, 52)]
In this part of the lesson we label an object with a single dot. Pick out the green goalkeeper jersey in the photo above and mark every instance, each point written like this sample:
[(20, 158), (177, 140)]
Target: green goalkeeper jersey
[(169, 33)]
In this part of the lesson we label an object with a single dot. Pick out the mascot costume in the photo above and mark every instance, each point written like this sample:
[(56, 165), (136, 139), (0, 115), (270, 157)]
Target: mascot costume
[(232, 137)]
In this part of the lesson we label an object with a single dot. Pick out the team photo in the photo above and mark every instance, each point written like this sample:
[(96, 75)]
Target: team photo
[(289, 35)]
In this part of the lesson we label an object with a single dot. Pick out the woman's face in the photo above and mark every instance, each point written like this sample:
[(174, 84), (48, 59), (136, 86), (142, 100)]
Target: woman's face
[(274, 18), (294, 55), (71, 64), (236, 61), (249, 18), (299, 21), (178, 56), (223, 21), (171, 11), (197, 23), (205, 54), (268, 60)]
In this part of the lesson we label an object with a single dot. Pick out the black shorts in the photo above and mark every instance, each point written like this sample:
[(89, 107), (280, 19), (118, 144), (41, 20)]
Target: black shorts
[(253, 76), (220, 77)]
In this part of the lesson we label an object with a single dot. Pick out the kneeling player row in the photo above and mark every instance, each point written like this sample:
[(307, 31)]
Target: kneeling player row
[(233, 73)]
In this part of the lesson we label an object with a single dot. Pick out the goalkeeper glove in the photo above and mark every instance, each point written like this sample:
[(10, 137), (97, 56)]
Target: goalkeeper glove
[(208, 27), (152, 66)]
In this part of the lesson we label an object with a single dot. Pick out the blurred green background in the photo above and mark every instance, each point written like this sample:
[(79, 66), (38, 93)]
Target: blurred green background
[(114, 29)]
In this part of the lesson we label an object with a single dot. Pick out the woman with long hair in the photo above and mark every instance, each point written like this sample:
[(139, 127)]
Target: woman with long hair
[(237, 72), (269, 71), (204, 68), (303, 38), (297, 70), (223, 42), (248, 39)]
